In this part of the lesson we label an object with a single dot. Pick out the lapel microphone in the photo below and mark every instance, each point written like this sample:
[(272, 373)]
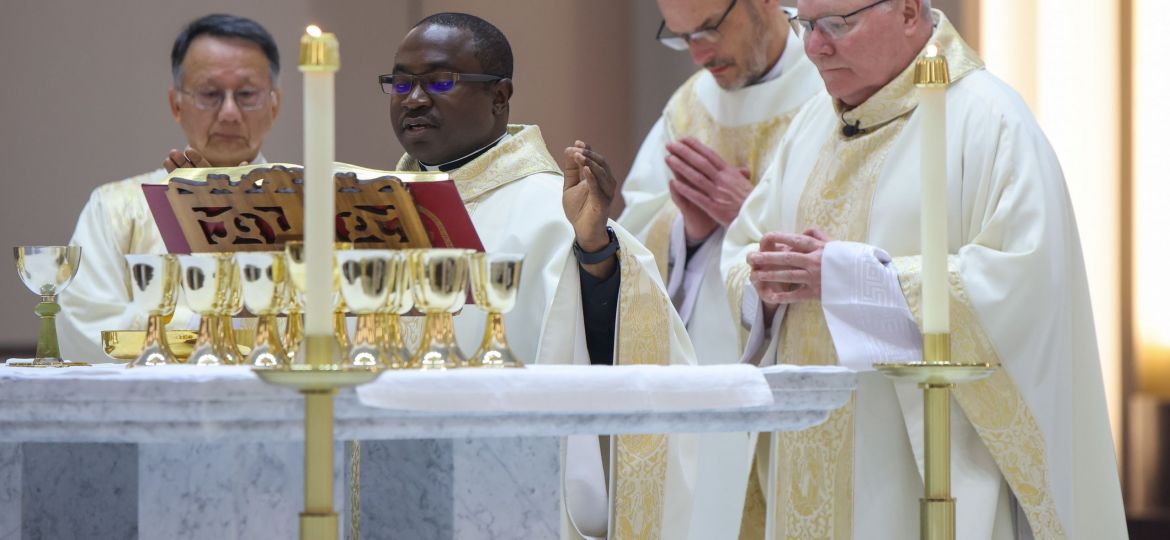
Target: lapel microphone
[(850, 130)]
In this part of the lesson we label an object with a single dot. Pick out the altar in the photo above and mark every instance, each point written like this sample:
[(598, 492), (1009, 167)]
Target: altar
[(186, 452)]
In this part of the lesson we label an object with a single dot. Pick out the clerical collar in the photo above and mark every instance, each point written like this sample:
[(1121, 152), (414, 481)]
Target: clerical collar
[(459, 162)]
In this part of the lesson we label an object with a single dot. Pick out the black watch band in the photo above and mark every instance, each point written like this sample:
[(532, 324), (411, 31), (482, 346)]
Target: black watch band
[(584, 257)]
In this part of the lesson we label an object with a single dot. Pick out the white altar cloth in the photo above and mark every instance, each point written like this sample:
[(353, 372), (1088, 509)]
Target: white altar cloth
[(566, 388)]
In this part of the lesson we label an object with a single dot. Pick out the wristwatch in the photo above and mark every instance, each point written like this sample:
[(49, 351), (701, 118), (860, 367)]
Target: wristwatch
[(585, 257)]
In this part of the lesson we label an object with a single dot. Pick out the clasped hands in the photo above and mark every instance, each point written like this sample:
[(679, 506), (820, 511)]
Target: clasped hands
[(707, 191), (787, 268)]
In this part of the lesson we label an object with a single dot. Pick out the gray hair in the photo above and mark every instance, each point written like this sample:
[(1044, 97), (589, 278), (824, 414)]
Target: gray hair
[(226, 26)]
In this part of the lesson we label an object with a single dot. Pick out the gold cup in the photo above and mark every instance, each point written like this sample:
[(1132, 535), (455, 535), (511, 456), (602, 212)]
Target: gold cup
[(400, 300), (264, 290), (364, 276), (46, 271), (154, 284), (495, 281), (440, 279), (294, 326), (207, 285), (233, 305)]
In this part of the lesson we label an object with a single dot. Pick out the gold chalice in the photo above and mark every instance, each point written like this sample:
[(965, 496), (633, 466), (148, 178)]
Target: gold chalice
[(46, 271), (234, 305), (364, 284), (440, 290), (264, 292), (399, 300), (495, 280), (154, 284), (294, 325), (207, 282), (294, 330)]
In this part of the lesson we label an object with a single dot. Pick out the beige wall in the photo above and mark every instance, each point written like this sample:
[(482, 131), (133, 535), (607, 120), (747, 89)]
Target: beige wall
[(85, 93)]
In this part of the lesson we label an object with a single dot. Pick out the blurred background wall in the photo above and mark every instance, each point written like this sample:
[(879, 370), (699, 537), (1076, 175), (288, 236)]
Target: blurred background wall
[(84, 102)]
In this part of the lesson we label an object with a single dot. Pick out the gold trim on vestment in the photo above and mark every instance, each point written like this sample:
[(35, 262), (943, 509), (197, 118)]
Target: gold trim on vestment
[(639, 475), (994, 406), (519, 156)]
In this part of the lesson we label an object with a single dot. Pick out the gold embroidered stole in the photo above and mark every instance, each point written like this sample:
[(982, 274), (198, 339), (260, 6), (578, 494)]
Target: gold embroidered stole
[(994, 405), (748, 145), (639, 469), (813, 469)]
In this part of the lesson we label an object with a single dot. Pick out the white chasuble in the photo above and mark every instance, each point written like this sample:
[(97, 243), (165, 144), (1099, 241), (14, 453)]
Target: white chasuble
[(513, 193), (1032, 454)]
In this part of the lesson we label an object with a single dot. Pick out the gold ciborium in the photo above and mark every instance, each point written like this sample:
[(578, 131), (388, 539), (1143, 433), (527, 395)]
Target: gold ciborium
[(207, 285), (400, 300), (154, 284), (364, 276), (440, 289), (262, 274), (495, 280), (46, 271)]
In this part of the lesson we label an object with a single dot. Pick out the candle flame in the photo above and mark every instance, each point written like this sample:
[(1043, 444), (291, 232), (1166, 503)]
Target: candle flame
[(931, 50), (313, 30)]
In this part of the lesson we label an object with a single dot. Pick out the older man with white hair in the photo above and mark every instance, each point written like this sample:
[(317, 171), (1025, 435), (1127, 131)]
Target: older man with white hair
[(825, 262)]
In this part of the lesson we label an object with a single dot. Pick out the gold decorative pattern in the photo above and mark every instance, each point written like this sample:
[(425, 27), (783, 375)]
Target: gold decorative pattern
[(658, 237), (521, 155), (639, 475), (737, 279), (994, 405), (814, 468)]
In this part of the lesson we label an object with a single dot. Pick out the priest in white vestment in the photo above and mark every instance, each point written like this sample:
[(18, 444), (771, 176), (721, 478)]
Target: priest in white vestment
[(824, 263), (755, 78), (689, 179), (589, 294), (225, 97)]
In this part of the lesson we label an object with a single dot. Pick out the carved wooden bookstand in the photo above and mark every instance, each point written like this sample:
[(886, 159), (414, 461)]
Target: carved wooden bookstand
[(262, 209)]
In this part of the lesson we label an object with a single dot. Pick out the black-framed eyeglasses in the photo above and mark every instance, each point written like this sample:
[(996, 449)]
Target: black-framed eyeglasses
[(680, 42), (439, 82), (832, 26), (211, 99)]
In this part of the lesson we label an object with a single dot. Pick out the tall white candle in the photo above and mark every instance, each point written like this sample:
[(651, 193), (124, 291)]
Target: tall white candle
[(319, 61), (932, 118)]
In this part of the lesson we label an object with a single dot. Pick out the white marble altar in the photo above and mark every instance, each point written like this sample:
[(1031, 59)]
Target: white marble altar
[(216, 454)]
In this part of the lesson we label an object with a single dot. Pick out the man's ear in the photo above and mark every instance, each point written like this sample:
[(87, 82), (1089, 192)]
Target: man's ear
[(173, 98), (501, 95), (911, 11)]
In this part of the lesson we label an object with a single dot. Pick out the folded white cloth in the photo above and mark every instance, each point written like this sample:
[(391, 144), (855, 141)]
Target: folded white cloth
[(570, 389)]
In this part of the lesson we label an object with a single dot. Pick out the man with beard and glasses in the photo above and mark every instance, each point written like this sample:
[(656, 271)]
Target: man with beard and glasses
[(824, 263), (703, 156), (590, 292)]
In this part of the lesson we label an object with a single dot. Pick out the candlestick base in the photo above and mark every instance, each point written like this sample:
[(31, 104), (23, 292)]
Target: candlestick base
[(936, 373), (303, 377)]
